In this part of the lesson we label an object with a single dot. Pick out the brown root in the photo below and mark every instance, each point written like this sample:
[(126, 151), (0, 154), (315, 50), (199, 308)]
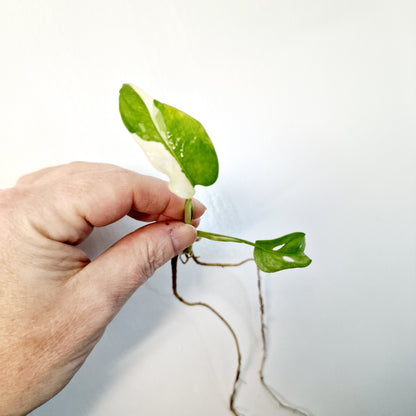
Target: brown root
[(202, 263), (174, 263), (279, 401)]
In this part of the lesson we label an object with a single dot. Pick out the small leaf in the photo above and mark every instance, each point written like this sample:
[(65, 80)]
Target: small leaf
[(289, 255), (175, 143)]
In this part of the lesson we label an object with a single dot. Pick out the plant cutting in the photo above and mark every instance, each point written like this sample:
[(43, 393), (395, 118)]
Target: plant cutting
[(178, 145)]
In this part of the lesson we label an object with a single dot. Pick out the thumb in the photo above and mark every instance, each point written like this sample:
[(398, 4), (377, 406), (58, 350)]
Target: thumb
[(114, 276)]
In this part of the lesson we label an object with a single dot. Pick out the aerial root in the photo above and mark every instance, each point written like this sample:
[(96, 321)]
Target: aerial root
[(263, 327), (276, 398), (174, 263)]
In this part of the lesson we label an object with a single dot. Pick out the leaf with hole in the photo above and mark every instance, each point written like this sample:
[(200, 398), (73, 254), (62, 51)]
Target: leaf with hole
[(271, 255), (285, 252)]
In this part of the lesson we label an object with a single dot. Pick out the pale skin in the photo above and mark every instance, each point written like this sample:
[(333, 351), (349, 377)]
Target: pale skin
[(54, 302)]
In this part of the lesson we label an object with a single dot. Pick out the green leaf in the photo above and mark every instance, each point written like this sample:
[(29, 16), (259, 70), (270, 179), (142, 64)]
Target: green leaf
[(289, 253), (175, 143)]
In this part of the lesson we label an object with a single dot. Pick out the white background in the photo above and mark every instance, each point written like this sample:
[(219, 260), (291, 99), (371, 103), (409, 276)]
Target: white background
[(311, 107)]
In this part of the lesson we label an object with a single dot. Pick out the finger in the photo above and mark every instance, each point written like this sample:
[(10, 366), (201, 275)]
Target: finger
[(67, 201), (112, 277), (199, 209), (32, 177)]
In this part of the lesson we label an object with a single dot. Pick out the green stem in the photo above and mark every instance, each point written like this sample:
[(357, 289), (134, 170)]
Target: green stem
[(225, 238), (187, 219), (188, 211)]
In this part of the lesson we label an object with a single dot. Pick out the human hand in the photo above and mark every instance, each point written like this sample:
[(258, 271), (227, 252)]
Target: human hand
[(54, 303)]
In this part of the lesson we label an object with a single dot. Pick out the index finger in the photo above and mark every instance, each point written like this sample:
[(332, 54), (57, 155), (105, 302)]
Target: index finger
[(68, 201)]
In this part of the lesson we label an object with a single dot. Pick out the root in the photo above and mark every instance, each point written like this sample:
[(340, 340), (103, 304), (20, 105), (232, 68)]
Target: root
[(276, 398), (174, 263), (195, 259), (279, 401), (187, 256)]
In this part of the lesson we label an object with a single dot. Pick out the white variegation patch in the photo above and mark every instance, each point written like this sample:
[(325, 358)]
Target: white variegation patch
[(164, 162), (159, 156)]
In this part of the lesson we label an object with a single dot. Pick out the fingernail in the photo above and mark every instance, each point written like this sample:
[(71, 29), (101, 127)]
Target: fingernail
[(182, 235)]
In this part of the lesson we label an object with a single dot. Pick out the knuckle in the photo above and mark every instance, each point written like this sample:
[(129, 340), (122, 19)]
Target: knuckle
[(150, 260), (9, 199), (153, 255), (25, 180)]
